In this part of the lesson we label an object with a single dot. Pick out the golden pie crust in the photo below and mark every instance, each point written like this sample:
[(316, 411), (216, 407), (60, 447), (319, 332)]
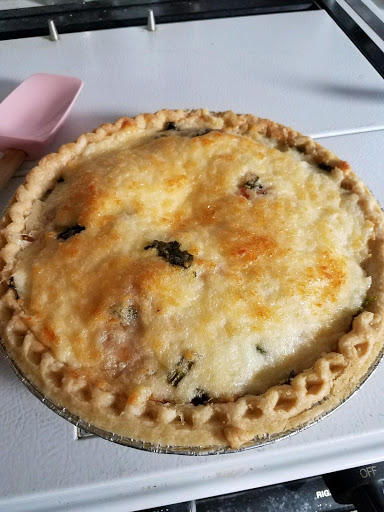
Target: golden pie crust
[(266, 314)]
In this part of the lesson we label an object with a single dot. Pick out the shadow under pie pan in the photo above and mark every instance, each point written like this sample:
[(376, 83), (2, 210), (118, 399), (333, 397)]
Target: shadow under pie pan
[(193, 283)]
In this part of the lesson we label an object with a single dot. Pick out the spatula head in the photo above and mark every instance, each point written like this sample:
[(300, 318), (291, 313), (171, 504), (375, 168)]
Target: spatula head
[(32, 113)]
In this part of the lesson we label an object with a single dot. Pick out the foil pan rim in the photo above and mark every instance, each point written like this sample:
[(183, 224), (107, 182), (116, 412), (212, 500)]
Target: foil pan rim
[(258, 442)]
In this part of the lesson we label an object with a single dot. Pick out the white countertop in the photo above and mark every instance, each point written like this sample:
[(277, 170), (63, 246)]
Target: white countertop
[(295, 68)]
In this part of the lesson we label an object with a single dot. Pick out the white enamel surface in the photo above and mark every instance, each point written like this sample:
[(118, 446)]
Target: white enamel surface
[(15, 4), (42, 466), (296, 68), (20, 4)]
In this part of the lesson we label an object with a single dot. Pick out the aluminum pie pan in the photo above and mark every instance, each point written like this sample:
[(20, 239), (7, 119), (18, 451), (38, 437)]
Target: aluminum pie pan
[(257, 442)]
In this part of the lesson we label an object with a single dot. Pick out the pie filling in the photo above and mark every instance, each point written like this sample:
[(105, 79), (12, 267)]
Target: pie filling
[(201, 266)]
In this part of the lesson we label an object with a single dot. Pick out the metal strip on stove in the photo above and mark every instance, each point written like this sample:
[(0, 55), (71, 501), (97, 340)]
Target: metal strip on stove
[(151, 24), (53, 34), (368, 16), (96, 15), (356, 34)]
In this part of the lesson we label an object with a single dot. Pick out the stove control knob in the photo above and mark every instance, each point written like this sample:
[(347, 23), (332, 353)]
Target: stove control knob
[(363, 487)]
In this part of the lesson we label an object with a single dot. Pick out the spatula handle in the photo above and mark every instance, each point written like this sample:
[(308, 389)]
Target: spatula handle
[(10, 161)]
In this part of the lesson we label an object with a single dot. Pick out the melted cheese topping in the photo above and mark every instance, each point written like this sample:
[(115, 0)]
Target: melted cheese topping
[(275, 279)]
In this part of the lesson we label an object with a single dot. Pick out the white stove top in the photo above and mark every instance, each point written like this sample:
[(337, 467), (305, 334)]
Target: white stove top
[(297, 68)]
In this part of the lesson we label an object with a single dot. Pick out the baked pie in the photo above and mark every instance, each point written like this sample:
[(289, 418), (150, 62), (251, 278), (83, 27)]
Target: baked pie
[(193, 279)]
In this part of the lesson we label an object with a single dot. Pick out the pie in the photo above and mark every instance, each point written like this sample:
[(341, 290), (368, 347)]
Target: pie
[(193, 279)]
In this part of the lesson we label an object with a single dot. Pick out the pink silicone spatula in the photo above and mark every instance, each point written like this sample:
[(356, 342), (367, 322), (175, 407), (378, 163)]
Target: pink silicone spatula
[(30, 117)]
